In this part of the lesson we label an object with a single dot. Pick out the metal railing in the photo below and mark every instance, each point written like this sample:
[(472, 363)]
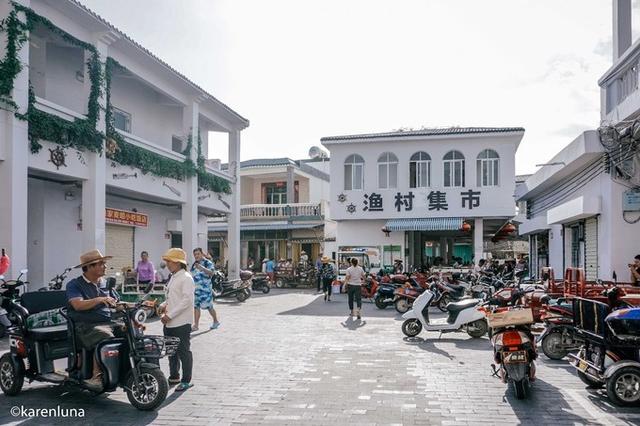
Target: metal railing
[(280, 211)]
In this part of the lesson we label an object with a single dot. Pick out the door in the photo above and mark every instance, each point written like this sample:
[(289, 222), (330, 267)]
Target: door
[(119, 244), (591, 248)]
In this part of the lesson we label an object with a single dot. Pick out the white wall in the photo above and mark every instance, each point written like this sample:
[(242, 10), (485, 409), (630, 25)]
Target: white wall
[(366, 233), (495, 201), (62, 87)]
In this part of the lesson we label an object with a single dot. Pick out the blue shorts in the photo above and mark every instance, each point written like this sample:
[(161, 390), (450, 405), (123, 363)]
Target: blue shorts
[(203, 298)]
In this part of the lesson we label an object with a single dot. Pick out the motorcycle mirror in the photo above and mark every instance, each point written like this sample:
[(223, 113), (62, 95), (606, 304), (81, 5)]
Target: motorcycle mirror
[(148, 289), (111, 283), (1, 277), (23, 271)]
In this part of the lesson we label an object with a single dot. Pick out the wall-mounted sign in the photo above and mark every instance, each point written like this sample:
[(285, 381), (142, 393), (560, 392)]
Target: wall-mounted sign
[(124, 217), (631, 200)]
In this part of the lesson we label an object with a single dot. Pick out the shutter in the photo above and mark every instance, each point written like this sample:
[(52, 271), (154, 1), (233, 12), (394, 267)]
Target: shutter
[(119, 244), (591, 248)]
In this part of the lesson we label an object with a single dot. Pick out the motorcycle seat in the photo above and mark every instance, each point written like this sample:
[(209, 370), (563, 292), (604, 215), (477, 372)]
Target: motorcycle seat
[(455, 287), (54, 332), (461, 305)]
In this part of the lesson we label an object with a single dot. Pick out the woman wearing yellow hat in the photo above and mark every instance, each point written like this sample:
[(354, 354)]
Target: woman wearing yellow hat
[(327, 274)]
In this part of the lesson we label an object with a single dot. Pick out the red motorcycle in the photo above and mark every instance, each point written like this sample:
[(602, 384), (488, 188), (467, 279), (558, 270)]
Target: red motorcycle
[(369, 289)]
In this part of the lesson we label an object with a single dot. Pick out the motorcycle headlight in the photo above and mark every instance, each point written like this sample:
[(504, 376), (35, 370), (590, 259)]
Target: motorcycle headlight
[(140, 316)]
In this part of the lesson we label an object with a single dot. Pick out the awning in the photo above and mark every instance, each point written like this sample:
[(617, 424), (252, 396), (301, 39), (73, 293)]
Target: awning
[(425, 224), (222, 227)]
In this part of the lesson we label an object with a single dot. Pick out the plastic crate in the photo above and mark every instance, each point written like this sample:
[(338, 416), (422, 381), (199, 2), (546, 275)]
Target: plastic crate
[(510, 317)]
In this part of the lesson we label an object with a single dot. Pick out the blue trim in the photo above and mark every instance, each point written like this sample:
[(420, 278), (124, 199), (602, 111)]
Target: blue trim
[(425, 224)]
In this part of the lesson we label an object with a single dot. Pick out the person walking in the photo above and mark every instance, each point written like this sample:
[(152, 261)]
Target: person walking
[(318, 270), (145, 269), (354, 281), (177, 316), (327, 274), (202, 271), (270, 269)]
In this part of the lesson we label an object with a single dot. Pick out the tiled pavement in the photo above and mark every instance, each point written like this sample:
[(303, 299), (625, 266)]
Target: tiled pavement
[(290, 358)]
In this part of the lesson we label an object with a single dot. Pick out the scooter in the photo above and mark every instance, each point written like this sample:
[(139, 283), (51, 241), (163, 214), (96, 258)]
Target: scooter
[(406, 295), (130, 362), (56, 282), (260, 283), (239, 289), (9, 296), (385, 296), (462, 315), (369, 289)]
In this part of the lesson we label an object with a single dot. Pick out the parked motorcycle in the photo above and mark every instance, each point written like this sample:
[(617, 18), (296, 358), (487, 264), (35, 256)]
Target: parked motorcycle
[(385, 296), (260, 283), (405, 295), (239, 289), (131, 363), (370, 288), (9, 295), (56, 282), (462, 315)]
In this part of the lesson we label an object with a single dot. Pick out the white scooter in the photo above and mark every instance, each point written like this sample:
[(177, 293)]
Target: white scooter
[(462, 314)]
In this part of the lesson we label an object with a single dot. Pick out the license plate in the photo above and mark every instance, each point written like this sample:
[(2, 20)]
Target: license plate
[(582, 366), (515, 357)]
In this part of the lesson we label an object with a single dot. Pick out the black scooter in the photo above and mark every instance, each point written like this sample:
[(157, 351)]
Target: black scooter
[(239, 289), (9, 296), (260, 283), (130, 362)]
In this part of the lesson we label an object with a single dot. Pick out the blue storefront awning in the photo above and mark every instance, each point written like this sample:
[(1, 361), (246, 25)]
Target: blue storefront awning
[(263, 227), (425, 224)]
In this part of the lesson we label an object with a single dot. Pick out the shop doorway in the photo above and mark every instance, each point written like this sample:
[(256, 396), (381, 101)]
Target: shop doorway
[(119, 244)]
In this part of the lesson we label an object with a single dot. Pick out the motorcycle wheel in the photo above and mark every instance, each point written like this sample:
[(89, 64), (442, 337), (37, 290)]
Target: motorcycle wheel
[(477, 328), (550, 345), (11, 375), (411, 327), (217, 290), (266, 289), (623, 387), (279, 283), (380, 303), (521, 388), (443, 302), (242, 296), (402, 305), (591, 384), (149, 391)]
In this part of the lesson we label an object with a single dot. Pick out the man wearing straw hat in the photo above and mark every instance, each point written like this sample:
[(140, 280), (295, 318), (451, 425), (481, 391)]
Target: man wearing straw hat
[(89, 308)]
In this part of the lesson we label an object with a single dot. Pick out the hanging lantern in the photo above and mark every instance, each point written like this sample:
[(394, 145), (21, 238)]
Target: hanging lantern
[(465, 227), (509, 228)]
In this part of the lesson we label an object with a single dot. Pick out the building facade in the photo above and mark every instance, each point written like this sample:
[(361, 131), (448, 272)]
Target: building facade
[(284, 211), (104, 146), (423, 196), (583, 206)]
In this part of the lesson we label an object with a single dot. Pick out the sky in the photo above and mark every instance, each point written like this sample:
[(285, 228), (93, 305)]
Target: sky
[(300, 70)]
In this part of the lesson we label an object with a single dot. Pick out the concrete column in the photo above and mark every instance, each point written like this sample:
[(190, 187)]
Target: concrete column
[(233, 219), (190, 120), (290, 186), (478, 239), (621, 27), (14, 170)]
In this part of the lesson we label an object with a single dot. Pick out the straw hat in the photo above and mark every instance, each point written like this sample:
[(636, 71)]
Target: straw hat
[(175, 255), (325, 259), (91, 257)]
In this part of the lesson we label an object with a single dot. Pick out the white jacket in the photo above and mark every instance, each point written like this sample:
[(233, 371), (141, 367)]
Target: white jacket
[(180, 298)]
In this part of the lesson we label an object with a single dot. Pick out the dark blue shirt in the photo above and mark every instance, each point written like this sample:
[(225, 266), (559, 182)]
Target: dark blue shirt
[(80, 287)]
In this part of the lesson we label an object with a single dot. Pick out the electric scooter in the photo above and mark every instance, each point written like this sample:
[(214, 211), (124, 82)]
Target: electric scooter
[(463, 314)]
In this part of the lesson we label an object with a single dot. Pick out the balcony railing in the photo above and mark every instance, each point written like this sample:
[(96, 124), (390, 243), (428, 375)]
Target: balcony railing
[(281, 211), (620, 82)]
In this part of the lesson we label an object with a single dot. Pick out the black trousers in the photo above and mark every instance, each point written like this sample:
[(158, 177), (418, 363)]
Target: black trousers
[(326, 285), (183, 355), (354, 293), (319, 282)]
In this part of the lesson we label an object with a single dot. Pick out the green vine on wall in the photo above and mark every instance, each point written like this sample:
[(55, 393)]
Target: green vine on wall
[(10, 65)]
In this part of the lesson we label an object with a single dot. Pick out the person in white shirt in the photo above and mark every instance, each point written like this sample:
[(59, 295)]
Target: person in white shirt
[(354, 281), (177, 316)]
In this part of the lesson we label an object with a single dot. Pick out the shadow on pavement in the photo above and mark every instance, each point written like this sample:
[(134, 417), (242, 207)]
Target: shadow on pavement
[(338, 307), (462, 343), (352, 324)]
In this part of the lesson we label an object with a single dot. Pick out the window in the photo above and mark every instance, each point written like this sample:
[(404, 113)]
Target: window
[(353, 172), (420, 170), (176, 144), (122, 120), (276, 193), (454, 169), (488, 168), (387, 171)]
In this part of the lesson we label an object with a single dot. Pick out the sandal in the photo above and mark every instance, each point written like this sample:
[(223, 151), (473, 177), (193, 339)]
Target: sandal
[(183, 386)]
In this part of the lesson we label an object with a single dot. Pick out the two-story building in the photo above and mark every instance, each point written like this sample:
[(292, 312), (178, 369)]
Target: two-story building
[(284, 210), (583, 206), (103, 145), (423, 196)]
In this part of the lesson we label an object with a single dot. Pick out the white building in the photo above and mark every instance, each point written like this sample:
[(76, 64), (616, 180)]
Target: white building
[(284, 210), (583, 206), (64, 191), (421, 187)]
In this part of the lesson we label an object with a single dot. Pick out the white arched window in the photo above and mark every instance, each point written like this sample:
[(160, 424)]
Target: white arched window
[(488, 168), (353, 172), (420, 170), (453, 169), (387, 171)]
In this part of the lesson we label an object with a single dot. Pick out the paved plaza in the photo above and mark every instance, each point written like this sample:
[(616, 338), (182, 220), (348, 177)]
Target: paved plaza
[(290, 358)]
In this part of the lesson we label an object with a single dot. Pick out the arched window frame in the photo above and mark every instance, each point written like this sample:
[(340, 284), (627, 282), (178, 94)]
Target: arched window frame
[(488, 168), (453, 169), (387, 171), (420, 170), (354, 173)]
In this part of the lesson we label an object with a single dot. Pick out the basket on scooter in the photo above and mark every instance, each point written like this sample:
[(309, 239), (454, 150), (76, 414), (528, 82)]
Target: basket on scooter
[(503, 318), (152, 346)]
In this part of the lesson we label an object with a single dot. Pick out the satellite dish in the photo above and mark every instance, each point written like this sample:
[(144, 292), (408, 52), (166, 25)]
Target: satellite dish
[(315, 152)]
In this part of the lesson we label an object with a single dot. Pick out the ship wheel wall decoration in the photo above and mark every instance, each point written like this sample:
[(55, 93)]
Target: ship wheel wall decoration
[(57, 157), (351, 208), (342, 198)]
